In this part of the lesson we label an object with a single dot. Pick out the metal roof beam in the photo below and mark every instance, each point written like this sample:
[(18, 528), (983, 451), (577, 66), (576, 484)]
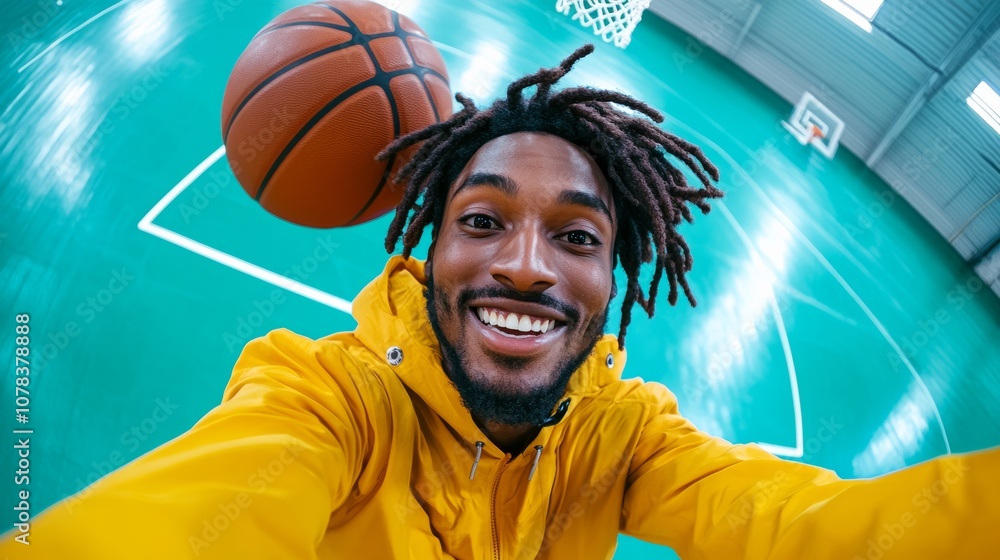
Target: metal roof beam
[(981, 32), (746, 29)]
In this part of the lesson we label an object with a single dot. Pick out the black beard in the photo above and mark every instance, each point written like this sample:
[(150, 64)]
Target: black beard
[(491, 404)]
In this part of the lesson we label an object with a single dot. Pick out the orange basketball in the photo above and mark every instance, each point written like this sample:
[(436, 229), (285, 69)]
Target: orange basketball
[(316, 95)]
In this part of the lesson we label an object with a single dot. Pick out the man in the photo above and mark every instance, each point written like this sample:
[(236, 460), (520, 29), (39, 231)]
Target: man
[(477, 412)]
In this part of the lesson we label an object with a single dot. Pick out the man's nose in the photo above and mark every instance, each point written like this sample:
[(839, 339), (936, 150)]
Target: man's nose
[(524, 263)]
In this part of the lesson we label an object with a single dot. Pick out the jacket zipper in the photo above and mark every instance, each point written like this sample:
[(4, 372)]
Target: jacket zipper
[(493, 507)]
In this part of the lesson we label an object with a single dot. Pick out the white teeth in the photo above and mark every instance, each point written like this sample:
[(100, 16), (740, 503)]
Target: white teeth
[(512, 321)]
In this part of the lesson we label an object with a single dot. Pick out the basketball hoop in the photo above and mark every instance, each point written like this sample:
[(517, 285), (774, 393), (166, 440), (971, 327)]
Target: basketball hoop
[(613, 20), (813, 124), (814, 132)]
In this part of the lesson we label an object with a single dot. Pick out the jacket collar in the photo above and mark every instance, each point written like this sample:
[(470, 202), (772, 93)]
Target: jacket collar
[(391, 312)]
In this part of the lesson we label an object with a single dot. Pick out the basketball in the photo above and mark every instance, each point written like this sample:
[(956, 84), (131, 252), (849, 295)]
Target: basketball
[(316, 95)]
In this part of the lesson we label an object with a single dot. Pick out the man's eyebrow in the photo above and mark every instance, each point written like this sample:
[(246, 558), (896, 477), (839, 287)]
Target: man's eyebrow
[(585, 199), (505, 184)]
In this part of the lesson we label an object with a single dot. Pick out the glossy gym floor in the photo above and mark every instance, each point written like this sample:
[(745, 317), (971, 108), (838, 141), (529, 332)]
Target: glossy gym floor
[(834, 325)]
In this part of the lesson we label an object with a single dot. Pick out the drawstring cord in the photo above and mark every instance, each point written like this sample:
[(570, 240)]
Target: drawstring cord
[(548, 422), (479, 453), (538, 454)]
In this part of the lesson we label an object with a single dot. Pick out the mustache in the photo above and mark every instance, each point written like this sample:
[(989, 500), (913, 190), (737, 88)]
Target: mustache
[(503, 292)]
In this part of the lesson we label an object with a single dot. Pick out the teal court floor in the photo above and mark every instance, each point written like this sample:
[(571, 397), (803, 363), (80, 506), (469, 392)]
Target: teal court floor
[(832, 328)]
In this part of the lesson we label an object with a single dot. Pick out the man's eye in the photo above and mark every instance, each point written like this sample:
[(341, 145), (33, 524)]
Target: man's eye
[(480, 221), (581, 238)]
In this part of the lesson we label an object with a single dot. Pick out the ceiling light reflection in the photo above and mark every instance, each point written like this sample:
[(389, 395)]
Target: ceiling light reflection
[(482, 77), (145, 27), (899, 437)]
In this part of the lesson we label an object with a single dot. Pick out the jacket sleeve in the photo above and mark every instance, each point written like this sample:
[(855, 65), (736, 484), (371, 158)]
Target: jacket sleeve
[(706, 498), (257, 477)]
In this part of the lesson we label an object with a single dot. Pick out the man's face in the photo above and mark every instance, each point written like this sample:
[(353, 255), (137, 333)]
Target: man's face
[(520, 274)]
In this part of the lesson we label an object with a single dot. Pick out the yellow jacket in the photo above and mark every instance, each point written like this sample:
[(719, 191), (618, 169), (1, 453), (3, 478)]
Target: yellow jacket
[(324, 449)]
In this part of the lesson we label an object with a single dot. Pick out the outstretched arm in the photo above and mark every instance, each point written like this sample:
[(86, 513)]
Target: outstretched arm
[(257, 477), (707, 498)]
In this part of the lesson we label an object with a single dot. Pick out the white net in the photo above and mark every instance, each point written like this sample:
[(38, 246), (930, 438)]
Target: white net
[(613, 20)]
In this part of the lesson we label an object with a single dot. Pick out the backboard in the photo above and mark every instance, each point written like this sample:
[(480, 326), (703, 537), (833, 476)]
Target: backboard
[(812, 123)]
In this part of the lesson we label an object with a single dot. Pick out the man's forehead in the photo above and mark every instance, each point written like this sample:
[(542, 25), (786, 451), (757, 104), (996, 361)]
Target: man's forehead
[(527, 155), (519, 143)]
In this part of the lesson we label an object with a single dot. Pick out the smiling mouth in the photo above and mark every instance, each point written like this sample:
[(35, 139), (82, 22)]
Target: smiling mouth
[(514, 324)]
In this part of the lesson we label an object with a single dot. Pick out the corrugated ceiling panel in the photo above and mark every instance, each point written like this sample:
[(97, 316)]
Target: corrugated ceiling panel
[(929, 27), (930, 165), (983, 229), (967, 201), (908, 160), (989, 269), (979, 218)]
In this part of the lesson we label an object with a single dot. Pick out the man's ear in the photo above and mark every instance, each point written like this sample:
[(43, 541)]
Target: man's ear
[(614, 288)]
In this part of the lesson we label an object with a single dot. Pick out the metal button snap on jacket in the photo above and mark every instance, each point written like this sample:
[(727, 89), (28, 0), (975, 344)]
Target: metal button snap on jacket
[(394, 355)]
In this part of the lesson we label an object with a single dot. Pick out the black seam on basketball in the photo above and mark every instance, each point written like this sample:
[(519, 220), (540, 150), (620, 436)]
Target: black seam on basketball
[(397, 32), (430, 99), (335, 26), (423, 83), (381, 184), (308, 126), (387, 88), (288, 67), (302, 23)]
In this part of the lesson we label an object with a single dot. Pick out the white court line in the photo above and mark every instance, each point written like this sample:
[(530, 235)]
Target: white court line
[(66, 36), (840, 279), (146, 224), (185, 182), (779, 322)]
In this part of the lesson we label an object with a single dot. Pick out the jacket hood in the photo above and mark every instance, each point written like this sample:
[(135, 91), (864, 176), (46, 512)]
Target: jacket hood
[(391, 314)]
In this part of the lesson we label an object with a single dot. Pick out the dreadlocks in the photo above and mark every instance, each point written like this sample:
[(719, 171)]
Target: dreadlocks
[(651, 196)]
